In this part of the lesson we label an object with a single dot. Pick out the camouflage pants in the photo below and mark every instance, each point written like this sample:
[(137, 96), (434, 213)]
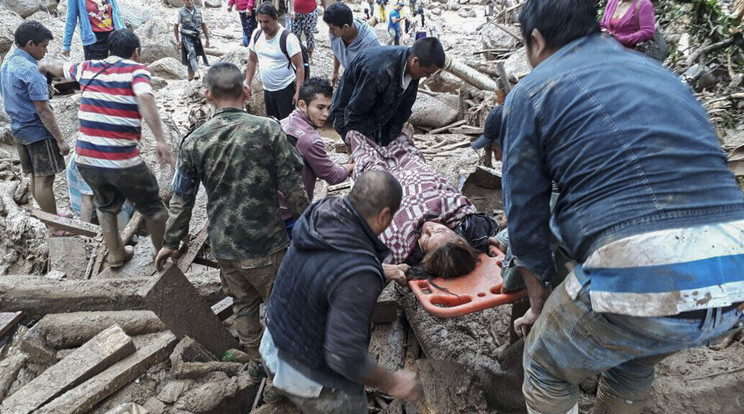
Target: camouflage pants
[(249, 282)]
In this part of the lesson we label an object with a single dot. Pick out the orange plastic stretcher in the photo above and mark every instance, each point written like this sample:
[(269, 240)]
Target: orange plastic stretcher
[(478, 290)]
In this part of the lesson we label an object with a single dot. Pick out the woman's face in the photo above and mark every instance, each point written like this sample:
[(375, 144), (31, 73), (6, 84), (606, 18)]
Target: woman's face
[(434, 235)]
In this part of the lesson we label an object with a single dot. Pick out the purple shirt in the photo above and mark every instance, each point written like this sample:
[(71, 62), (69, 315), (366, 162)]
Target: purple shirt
[(632, 28), (309, 143)]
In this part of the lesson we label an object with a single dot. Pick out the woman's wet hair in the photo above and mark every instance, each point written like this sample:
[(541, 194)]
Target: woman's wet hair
[(451, 260)]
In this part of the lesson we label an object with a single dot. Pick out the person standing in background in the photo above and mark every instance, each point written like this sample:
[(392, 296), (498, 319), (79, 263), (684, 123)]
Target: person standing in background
[(98, 18), (247, 17), (304, 16), (191, 22), (349, 36)]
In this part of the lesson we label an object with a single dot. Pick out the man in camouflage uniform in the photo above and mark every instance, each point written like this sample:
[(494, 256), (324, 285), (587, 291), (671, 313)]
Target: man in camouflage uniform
[(242, 160)]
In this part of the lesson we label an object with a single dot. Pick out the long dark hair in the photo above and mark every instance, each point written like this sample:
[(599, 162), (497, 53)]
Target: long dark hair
[(449, 261)]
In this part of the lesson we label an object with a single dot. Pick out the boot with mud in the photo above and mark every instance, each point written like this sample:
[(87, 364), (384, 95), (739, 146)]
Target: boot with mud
[(607, 403), (156, 227), (117, 252)]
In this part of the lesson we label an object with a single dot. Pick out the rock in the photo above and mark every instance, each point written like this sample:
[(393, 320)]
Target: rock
[(215, 4), (157, 41), (436, 11), (517, 65), (174, 389), (9, 21), (24, 8), (168, 68), (158, 83), (431, 112), (133, 15), (495, 38)]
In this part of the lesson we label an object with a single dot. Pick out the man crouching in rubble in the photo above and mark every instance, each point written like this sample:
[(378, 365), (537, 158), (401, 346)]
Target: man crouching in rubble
[(242, 160), (320, 310), (647, 207)]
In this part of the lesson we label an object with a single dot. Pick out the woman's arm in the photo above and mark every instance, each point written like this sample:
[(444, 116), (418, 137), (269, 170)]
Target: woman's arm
[(72, 18)]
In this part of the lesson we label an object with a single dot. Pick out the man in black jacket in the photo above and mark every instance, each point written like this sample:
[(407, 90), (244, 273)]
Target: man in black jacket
[(320, 310), (378, 89)]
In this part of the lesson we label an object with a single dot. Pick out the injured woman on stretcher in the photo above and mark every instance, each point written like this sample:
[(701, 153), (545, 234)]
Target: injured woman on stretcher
[(436, 227)]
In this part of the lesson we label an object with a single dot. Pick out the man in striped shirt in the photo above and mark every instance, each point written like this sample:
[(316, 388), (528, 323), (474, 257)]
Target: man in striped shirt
[(116, 95)]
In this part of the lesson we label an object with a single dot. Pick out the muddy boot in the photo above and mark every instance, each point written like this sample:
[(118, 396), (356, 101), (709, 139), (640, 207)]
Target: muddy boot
[(118, 253), (607, 403), (156, 227)]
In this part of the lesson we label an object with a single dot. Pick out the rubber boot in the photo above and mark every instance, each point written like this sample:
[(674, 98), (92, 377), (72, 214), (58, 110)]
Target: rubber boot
[(156, 227), (607, 403), (118, 253)]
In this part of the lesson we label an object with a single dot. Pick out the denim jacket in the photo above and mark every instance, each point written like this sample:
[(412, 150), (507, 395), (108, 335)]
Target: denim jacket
[(370, 97), (629, 146), (76, 10)]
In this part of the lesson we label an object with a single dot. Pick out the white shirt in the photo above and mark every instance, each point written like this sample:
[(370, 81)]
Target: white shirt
[(276, 73), (286, 378)]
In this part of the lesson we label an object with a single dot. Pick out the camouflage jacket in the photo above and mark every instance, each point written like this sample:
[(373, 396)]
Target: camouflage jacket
[(242, 160)]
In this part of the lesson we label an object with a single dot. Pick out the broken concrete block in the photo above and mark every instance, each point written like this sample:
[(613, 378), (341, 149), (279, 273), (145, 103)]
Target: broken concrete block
[(388, 344), (449, 387), (68, 330), (386, 308), (96, 355), (231, 396), (82, 398), (197, 370)]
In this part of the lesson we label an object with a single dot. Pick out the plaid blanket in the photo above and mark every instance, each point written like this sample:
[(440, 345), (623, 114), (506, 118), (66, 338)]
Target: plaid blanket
[(427, 195)]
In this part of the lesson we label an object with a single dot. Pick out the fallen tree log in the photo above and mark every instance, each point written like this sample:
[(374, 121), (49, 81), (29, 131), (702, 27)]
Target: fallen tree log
[(68, 330), (469, 74)]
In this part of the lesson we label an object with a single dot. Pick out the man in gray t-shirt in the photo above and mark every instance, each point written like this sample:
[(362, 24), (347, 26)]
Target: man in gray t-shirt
[(349, 36)]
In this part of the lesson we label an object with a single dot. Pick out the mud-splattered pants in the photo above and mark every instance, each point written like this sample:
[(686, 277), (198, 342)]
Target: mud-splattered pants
[(249, 282), (570, 342)]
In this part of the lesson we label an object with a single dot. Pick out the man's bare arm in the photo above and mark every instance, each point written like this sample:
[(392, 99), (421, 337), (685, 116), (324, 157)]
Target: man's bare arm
[(44, 110), (149, 111)]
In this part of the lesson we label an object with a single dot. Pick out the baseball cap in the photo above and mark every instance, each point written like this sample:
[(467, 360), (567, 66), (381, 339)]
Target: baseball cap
[(492, 129), (400, 3)]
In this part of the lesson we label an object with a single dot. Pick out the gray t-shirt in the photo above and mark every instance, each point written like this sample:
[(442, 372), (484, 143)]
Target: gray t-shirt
[(366, 38)]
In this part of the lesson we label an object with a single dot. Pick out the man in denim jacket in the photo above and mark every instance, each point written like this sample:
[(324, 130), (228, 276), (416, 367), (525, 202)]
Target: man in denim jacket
[(647, 207)]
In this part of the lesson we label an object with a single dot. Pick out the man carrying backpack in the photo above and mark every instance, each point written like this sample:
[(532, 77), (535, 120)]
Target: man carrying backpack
[(279, 54)]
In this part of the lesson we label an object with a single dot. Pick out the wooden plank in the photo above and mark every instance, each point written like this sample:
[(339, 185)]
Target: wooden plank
[(85, 396), (223, 309), (445, 128), (63, 223), (8, 320), (184, 262), (467, 130), (85, 362)]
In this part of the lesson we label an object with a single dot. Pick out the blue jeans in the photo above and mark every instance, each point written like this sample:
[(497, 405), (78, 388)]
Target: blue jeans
[(570, 342)]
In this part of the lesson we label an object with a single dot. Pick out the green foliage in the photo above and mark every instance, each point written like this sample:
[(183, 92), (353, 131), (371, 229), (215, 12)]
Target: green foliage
[(709, 21)]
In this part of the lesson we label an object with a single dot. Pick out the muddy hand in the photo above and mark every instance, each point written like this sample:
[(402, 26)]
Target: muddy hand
[(163, 256)]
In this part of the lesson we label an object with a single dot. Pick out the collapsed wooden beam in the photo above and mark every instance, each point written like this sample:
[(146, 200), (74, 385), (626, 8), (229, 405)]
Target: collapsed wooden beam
[(73, 226), (95, 356), (169, 295)]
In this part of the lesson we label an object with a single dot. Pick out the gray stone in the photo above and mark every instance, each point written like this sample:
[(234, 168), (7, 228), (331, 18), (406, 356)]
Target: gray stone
[(215, 4), (24, 8), (495, 38), (158, 83), (517, 66), (179, 3), (133, 15), (9, 20), (168, 68), (430, 112), (157, 40)]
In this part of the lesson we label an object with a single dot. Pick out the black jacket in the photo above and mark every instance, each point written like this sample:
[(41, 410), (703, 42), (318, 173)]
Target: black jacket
[(321, 305), (370, 97)]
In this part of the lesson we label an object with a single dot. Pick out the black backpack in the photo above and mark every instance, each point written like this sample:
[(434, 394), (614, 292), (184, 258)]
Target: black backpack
[(283, 47)]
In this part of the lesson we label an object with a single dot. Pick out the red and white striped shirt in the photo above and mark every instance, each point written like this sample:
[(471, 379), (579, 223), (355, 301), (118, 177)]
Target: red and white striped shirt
[(110, 120)]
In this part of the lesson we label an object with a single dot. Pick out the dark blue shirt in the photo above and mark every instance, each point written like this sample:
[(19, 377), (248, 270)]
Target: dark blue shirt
[(629, 146), (21, 84)]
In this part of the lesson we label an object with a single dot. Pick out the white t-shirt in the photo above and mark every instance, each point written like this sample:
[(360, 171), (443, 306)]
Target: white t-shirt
[(272, 63)]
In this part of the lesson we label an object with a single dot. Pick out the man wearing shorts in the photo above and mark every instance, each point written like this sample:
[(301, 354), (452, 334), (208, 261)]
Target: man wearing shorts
[(26, 100), (116, 95)]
